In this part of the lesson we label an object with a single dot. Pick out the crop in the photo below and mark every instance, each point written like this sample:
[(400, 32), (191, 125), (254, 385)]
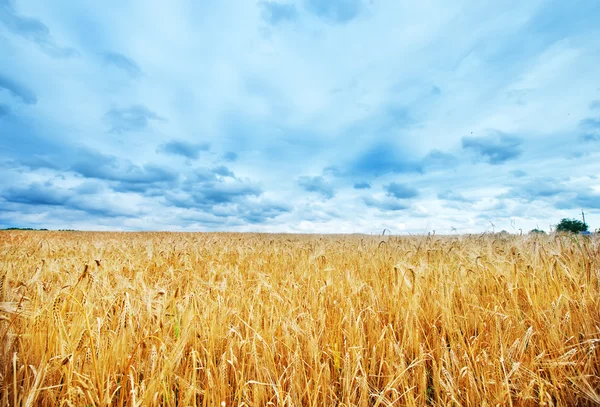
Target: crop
[(229, 319)]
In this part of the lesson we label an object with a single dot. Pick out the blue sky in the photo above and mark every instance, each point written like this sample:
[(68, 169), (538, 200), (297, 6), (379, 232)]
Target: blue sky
[(339, 116)]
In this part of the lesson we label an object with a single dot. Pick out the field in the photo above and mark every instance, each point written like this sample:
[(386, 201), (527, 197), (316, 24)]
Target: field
[(293, 320)]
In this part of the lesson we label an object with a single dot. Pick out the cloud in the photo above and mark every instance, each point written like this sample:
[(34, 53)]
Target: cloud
[(590, 129), (535, 189), (230, 156), (199, 175), (36, 162), (132, 118), (586, 199), (386, 204), (93, 164), (33, 30), (316, 184), (17, 90), (518, 173), (223, 171), (37, 194), (449, 195), (496, 148), (207, 189), (381, 159), (300, 87), (89, 187), (183, 148), (260, 212), (209, 194), (122, 62), (362, 185), (275, 13), (80, 198), (99, 205), (332, 171), (437, 160), (336, 11), (400, 191), (251, 211), (4, 110), (27, 141)]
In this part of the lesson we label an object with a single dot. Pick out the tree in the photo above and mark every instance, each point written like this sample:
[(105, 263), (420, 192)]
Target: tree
[(571, 225), (536, 230)]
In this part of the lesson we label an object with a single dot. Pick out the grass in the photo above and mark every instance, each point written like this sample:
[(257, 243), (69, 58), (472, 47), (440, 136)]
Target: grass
[(286, 320)]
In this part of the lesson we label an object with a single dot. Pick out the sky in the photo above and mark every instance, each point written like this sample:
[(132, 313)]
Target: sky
[(308, 116)]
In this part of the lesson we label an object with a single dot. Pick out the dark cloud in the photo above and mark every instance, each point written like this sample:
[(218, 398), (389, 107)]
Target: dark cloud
[(97, 205), (587, 199), (18, 90), (590, 129), (450, 195), (206, 189), (126, 175), (122, 62), (336, 11), (383, 159), (206, 219), (549, 21), (33, 30), (591, 123), (260, 212), (332, 171), (218, 193), (496, 148), (89, 187), (28, 143), (437, 160), (316, 184), (385, 204), (275, 13), (37, 194), (271, 138), (518, 173), (202, 175), (400, 191), (132, 118), (362, 185), (223, 171), (234, 214), (536, 189), (230, 156), (183, 148), (81, 198), (199, 175), (4, 110), (36, 162)]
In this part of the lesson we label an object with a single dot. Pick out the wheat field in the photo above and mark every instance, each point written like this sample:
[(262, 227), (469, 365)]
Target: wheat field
[(174, 319)]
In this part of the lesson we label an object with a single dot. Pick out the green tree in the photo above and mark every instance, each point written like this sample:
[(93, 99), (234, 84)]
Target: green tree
[(536, 230), (571, 225)]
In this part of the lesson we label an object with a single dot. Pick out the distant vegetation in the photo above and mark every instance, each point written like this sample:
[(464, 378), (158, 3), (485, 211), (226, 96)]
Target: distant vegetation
[(59, 230), (571, 225), (22, 229)]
